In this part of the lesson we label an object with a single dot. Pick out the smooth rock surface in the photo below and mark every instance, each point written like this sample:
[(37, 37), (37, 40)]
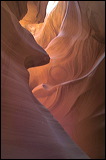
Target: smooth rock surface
[(72, 85), (28, 129)]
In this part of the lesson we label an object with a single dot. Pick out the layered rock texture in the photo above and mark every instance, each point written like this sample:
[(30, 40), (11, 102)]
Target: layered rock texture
[(53, 90)]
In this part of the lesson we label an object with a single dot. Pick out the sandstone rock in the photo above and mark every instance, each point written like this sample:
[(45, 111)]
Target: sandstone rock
[(71, 86), (28, 129)]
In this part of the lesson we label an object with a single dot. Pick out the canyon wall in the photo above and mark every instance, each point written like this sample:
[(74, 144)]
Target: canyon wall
[(72, 85), (28, 129)]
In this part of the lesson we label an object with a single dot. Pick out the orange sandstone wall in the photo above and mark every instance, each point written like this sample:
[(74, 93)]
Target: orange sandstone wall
[(28, 129), (71, 86)]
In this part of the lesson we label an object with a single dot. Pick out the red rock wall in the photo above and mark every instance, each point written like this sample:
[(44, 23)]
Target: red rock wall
[(71, 86), (28, 129)]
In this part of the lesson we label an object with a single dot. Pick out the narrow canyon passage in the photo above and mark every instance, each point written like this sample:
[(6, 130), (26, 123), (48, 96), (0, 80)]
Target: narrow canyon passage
[(53, 79)]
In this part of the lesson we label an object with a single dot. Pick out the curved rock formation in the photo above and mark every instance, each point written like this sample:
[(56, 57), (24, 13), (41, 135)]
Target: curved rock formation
[(35, 14), (29, 131), (71, 86)]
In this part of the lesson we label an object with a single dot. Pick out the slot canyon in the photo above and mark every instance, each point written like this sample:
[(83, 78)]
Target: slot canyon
[(53, 79)]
